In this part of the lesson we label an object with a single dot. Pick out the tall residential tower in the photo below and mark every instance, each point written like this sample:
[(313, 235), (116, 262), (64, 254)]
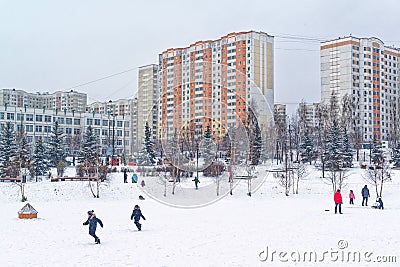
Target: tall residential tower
[(216, 83), (366, 70)]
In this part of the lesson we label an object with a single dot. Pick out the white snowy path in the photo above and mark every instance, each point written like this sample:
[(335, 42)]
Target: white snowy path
[(231, 232)]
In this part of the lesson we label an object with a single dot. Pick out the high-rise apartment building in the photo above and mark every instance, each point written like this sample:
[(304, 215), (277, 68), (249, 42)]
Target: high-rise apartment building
[(308, 114), (366, 70), (62, 101), (216, 82), (147, 105)]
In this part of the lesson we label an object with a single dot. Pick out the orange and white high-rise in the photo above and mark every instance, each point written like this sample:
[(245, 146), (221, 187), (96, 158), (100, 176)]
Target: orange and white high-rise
[(216, 83), (366, 70)]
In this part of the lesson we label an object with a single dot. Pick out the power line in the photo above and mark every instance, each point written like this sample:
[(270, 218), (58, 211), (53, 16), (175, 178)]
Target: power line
[(100, 79)]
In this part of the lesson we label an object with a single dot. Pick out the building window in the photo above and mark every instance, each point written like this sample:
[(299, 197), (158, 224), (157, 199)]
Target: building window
[(68, 121), (20, 117), (39, 118), (47, 118), (77, 121), (47, 129), (10, 116)]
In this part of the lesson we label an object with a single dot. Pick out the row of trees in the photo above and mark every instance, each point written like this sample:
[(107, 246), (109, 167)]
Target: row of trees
[(330, 145), (18, 157)]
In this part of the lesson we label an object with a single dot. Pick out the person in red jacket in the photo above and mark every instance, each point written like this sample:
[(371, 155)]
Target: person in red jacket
[(337, 197)]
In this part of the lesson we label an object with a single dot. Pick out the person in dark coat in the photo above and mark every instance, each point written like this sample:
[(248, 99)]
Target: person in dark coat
[(196, 182), (136, 214), (379, 200), (337, 197), (365, 195), (125, 176), (92, 221)]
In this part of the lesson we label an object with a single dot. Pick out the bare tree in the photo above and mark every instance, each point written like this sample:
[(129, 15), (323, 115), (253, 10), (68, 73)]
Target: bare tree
[(377, 175), (301, 170)]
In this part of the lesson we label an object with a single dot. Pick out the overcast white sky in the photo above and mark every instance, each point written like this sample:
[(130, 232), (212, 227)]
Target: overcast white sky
[(56, 45)]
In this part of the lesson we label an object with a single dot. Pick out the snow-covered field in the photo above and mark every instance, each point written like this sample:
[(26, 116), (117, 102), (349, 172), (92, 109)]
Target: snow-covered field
[(238, 230)]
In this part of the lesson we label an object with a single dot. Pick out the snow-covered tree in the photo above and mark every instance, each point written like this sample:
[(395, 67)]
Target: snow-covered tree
[(151, 155), (377, 176), (24, 152), (8, 151), (396, 155), (347, 152), (56, 148), (377, 153), (256, 144), (207, 151), (40, 161), (90, 148), (307, 151), (332, 155), (300, 171)]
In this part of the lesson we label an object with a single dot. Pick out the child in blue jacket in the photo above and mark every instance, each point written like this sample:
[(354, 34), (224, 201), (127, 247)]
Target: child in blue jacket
[(92, 221), (136, 214)]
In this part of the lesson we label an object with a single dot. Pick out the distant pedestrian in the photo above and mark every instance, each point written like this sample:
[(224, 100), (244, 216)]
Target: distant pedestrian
[(337, 197), (142, 183), (125, 176), (137, 214), (365, 195), (196, 182), (352, 197), (134, 177), (92, 221)]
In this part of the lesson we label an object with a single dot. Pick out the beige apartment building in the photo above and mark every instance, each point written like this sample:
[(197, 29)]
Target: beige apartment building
[(147, 106), (368, 71)]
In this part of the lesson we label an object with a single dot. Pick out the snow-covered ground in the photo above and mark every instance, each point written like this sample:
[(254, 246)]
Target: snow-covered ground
[(238, 230)]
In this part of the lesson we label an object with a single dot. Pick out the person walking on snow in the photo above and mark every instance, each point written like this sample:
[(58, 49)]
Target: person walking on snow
[(196, 182), (134, 178), (125, 176), (92, 221), (352, 197), (365, 195), (136, 214), (337, 197)]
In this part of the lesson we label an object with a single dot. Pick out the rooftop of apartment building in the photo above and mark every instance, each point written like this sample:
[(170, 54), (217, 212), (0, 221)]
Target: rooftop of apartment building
[(215, 40)]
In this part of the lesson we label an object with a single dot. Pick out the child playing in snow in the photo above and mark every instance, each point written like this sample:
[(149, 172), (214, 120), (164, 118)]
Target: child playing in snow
[(137, 213), (352, 197), (196, 182), (92, 221)]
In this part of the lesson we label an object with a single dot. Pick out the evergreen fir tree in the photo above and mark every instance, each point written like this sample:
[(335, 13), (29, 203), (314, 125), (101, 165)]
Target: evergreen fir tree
[(396, 155), (347, 152), (332, 155), (90, 148), (256, 145), (151, 155), (40, 161), (208, 151), (24, 151), (55, 146), (8, 150), (307, 151), (377, 153)]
